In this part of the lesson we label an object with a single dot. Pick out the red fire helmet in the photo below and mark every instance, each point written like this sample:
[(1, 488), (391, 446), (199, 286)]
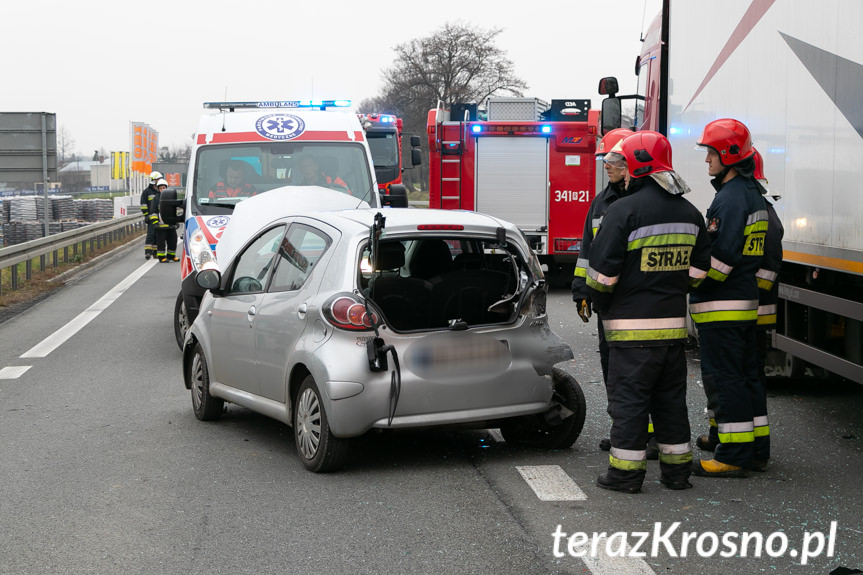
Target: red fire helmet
[(730, 138), (759, 166), (611, 139), (646, 153)]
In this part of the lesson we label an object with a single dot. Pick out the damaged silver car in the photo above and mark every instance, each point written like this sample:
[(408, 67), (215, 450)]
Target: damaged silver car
[(340, 322)]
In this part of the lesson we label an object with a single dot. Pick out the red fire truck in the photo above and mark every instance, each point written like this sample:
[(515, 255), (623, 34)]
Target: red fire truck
[(384, 135), (527, 162)]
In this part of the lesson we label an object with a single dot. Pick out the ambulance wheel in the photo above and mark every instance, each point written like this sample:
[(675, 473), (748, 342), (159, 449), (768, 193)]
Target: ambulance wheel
[(205, 406), (557, 428), (318, 449), (181, 320)]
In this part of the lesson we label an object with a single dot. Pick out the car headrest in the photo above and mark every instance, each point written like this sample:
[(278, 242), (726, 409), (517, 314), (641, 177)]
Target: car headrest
[(432, 257), (390, 256)]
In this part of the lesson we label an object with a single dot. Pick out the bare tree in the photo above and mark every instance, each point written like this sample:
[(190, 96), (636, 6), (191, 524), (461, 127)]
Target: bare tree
[(65, 145), (456, 63)]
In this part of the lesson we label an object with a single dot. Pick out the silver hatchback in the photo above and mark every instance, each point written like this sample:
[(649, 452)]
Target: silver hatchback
[(339, 322)]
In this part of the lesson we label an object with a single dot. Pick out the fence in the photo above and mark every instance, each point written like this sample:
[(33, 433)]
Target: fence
[(91, 237)]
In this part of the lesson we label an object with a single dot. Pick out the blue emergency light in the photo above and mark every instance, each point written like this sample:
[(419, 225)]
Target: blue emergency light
[(476, 129), (545, 129)]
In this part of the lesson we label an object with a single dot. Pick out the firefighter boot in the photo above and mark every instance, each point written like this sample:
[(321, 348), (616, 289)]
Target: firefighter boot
[(759, 465), (605, 444), (706, 442), (713, 468), (619, 480)]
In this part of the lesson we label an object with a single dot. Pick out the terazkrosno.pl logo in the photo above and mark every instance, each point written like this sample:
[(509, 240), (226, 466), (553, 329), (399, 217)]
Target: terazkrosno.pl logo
[(280, 126)]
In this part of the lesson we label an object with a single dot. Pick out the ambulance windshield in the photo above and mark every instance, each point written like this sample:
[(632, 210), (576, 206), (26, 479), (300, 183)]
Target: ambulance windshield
[(226, 174)]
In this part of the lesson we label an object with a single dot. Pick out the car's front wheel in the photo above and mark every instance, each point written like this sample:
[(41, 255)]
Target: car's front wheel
[(318, 449), (557, 428), (205, 406), (181, 320)]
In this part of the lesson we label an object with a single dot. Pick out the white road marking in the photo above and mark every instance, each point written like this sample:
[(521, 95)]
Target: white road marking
[(551, 483), (57, 338), (606, 565), (14, 371)]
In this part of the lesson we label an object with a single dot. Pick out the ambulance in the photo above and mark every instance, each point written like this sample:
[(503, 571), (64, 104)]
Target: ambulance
[(243, 149)]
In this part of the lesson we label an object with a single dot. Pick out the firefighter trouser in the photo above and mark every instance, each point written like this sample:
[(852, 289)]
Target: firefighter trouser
[(645, 382), (603, 351), (166, 242), (762, 432), (150, 242), (735, 395)]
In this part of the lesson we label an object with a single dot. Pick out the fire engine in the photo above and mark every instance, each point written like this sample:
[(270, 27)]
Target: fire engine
[(526, 162), (384, 135)]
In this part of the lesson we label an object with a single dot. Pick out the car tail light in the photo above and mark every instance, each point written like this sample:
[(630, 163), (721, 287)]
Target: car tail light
[(567, 245), (347, 311)]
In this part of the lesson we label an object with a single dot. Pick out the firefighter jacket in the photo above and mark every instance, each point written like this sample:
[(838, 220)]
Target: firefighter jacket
[(154, 216), (598, 207), (737, 225), (146, 196), (767, 276), (651, 247)]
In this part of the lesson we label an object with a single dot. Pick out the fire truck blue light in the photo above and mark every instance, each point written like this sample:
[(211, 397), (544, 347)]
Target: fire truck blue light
[(545, 129), (476, 129)]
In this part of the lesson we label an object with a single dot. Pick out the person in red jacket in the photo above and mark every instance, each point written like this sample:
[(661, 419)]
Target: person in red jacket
[(311, 174), (235, 184)]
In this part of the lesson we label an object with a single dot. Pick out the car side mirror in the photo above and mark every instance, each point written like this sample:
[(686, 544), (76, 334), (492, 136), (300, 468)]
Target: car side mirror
[(209, 279), (171, 209), (396, 198)]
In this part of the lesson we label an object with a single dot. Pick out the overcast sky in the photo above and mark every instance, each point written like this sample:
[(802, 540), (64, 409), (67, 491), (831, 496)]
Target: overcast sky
[(99, 64)]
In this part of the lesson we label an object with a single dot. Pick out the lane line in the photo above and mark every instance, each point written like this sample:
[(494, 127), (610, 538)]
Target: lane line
[(75, 325), (14, 371), (551, 483)]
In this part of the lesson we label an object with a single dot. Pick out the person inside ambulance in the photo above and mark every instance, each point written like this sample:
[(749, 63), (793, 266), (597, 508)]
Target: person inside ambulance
[(311, 174), (650, 249), (725, 306), (235, 184)]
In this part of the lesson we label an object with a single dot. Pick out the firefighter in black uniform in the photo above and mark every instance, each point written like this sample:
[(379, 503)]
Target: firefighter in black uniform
[(615, 168), (725, 307), (651, 247), (166, 234), (146, 198)]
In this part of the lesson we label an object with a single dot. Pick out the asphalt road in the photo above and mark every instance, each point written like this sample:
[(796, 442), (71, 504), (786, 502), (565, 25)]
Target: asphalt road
[(104, 469)]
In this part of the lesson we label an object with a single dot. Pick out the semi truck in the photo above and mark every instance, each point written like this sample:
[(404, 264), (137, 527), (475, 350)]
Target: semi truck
[(384, 134), (523, 160), (793, 73)]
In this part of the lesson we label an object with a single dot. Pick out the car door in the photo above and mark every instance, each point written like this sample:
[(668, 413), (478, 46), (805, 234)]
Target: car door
[(232, 316), (281, 320)]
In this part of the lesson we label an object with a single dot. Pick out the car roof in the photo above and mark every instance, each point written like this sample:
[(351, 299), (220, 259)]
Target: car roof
[(346, 213)]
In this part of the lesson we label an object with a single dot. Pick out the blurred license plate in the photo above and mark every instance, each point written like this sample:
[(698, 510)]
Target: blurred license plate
[(455, 354)]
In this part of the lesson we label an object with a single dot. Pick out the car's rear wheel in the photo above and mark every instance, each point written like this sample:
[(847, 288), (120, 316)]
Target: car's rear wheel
[(560, 426), (318, 449), (181, 320), (205, 406)]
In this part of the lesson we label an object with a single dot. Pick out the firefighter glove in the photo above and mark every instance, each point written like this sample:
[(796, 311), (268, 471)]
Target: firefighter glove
[(584, 312)]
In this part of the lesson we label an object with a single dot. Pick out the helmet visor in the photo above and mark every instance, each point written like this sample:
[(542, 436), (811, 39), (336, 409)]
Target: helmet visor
[(614, 160)]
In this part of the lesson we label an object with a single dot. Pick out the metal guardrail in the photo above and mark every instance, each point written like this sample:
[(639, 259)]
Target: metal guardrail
[(39, 248)]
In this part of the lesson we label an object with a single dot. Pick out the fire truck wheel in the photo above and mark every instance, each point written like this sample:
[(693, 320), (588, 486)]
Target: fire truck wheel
[(181, 320), (557, 428)]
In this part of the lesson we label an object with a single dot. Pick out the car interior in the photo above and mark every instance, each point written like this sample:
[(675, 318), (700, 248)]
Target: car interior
[(433, 283)]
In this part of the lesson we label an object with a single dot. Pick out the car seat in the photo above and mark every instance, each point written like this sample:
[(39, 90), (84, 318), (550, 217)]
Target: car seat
[(402, 300)]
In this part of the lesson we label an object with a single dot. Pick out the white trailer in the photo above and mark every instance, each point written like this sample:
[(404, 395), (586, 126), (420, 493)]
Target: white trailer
[(792, 71)]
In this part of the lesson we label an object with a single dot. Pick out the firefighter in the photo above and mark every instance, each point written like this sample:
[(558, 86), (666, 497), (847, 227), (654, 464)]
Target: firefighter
[(146, 197), (725, 307), (651, 247), (166, 234), (615, 168)]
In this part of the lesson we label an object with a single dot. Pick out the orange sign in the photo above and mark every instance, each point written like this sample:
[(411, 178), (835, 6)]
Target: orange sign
[(173, 180)]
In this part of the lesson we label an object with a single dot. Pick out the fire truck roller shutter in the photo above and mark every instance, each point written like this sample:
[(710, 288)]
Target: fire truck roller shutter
[(512, 179)]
